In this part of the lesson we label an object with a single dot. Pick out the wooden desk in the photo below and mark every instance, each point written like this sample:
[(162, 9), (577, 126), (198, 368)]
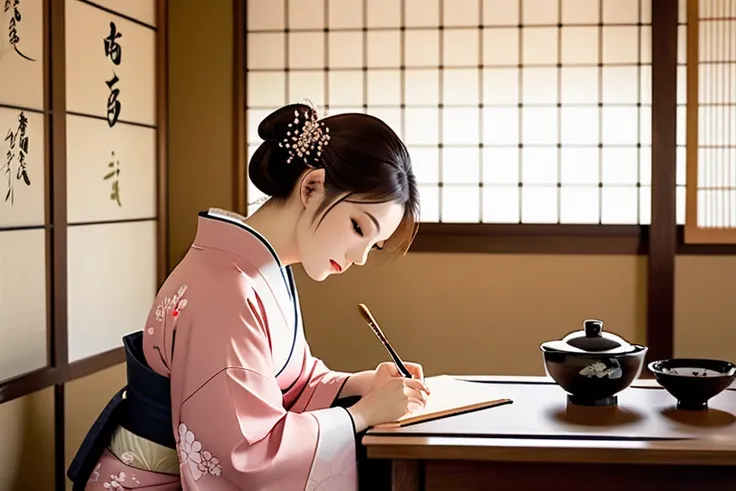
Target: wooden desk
[(542, 442)]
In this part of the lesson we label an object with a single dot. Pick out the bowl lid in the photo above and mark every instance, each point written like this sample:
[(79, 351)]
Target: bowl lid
[(591, 339)]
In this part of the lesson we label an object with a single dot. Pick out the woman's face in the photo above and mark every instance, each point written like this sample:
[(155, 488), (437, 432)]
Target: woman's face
[(346, 235)]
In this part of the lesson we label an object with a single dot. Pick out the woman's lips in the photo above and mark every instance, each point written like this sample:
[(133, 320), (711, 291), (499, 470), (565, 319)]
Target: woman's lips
[(335, 266)]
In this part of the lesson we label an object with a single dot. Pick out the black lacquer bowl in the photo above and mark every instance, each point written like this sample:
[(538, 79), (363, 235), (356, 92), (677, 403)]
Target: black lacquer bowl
[(593, 366), (693, 381)]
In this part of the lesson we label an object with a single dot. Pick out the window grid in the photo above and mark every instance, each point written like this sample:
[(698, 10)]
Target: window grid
[(589, 164)]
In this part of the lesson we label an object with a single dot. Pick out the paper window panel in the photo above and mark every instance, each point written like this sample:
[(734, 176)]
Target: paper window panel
[(461, 13), (501, 47), (539, 46), (539, 166), (620, 44), (620, 85), (500, 85), (308, 84), (141, 10), (422, 126), (306, 50), (460, 126), (579, 85), (384, 88), (645, 204), (22, 56), (501, 12), (460, 165), (345, 88), (119, 86), (501, 204), (254, 118), (384, 49), (111, 284), (430, 199), (266, 88), (620, 205), (501, 126), (625, 11), (306, 14), (461, 87), (426, 164), (461, 47), (620, 166), (579, 126), (579, 204), (501, 166), (23, 339), (581, 12), (539, 126), (345, 14), (461, 204), (265, 14), (539, 86), (422, 48), (421, 87), (111, 175), (22, 168), (579, 45), (422, 13), (345, 49), (539, 204), (266, 50), (383, 13)]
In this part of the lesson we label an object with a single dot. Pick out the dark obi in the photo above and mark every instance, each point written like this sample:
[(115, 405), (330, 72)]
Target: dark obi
[(142, 407)]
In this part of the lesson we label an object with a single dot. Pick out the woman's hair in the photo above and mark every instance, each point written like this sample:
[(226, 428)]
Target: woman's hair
[(364, 162)]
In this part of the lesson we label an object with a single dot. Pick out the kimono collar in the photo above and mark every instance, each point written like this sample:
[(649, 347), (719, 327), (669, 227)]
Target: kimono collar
[(227, 231)]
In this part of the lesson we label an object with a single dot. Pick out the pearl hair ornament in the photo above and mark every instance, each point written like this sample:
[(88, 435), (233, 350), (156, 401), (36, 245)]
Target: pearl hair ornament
[(306, 141)]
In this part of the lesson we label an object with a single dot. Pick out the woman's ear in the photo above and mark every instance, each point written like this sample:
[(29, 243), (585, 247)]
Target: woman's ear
[(312, 187)]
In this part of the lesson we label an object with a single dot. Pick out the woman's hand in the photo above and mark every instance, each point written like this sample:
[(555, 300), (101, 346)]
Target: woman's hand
[(388, 402), (363, 383), (387, 370)]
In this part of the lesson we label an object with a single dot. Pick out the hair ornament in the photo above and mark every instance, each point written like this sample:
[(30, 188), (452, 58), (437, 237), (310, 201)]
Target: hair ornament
[(306, 137)]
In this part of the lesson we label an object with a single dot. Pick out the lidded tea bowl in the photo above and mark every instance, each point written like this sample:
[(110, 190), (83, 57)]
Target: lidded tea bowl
[(591, 365)]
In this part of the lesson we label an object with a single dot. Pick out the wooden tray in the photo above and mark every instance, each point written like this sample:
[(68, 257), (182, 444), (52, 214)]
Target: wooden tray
[(541, 411)]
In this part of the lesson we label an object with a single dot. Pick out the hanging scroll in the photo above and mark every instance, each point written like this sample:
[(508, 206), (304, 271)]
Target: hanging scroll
[(21, 53), (111, 171), (21, 168)]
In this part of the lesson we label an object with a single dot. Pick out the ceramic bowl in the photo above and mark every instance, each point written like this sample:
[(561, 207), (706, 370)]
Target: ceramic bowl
[(693, 381), (593, 367)]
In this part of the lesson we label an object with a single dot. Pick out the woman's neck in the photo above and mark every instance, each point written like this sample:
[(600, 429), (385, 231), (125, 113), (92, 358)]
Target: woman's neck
[(277, 223)]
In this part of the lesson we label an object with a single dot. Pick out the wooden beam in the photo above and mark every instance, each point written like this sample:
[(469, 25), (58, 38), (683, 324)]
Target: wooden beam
[(663, 228)]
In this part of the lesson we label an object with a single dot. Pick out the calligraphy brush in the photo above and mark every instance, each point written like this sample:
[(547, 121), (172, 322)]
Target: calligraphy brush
[(381, 337)]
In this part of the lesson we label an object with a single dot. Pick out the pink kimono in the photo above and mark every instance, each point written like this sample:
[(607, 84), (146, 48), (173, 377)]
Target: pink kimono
[(250, 407)]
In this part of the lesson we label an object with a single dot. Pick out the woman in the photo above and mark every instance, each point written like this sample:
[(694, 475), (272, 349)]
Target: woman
[(222, 360)]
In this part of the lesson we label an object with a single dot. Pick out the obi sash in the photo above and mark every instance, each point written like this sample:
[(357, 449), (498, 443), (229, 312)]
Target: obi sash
[(142, 407)]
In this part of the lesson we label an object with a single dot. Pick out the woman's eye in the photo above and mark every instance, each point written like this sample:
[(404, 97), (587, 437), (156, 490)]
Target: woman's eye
[(356, 228)]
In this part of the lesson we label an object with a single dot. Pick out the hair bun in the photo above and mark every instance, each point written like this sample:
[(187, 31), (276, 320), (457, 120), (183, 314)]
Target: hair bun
[(268, 168), (277, 125)]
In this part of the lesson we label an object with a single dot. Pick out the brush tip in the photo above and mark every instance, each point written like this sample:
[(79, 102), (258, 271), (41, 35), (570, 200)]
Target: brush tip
[(364, 312)]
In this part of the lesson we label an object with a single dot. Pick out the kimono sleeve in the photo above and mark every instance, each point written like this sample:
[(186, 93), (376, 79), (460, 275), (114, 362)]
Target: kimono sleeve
[(235, 429), (322, 385)]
